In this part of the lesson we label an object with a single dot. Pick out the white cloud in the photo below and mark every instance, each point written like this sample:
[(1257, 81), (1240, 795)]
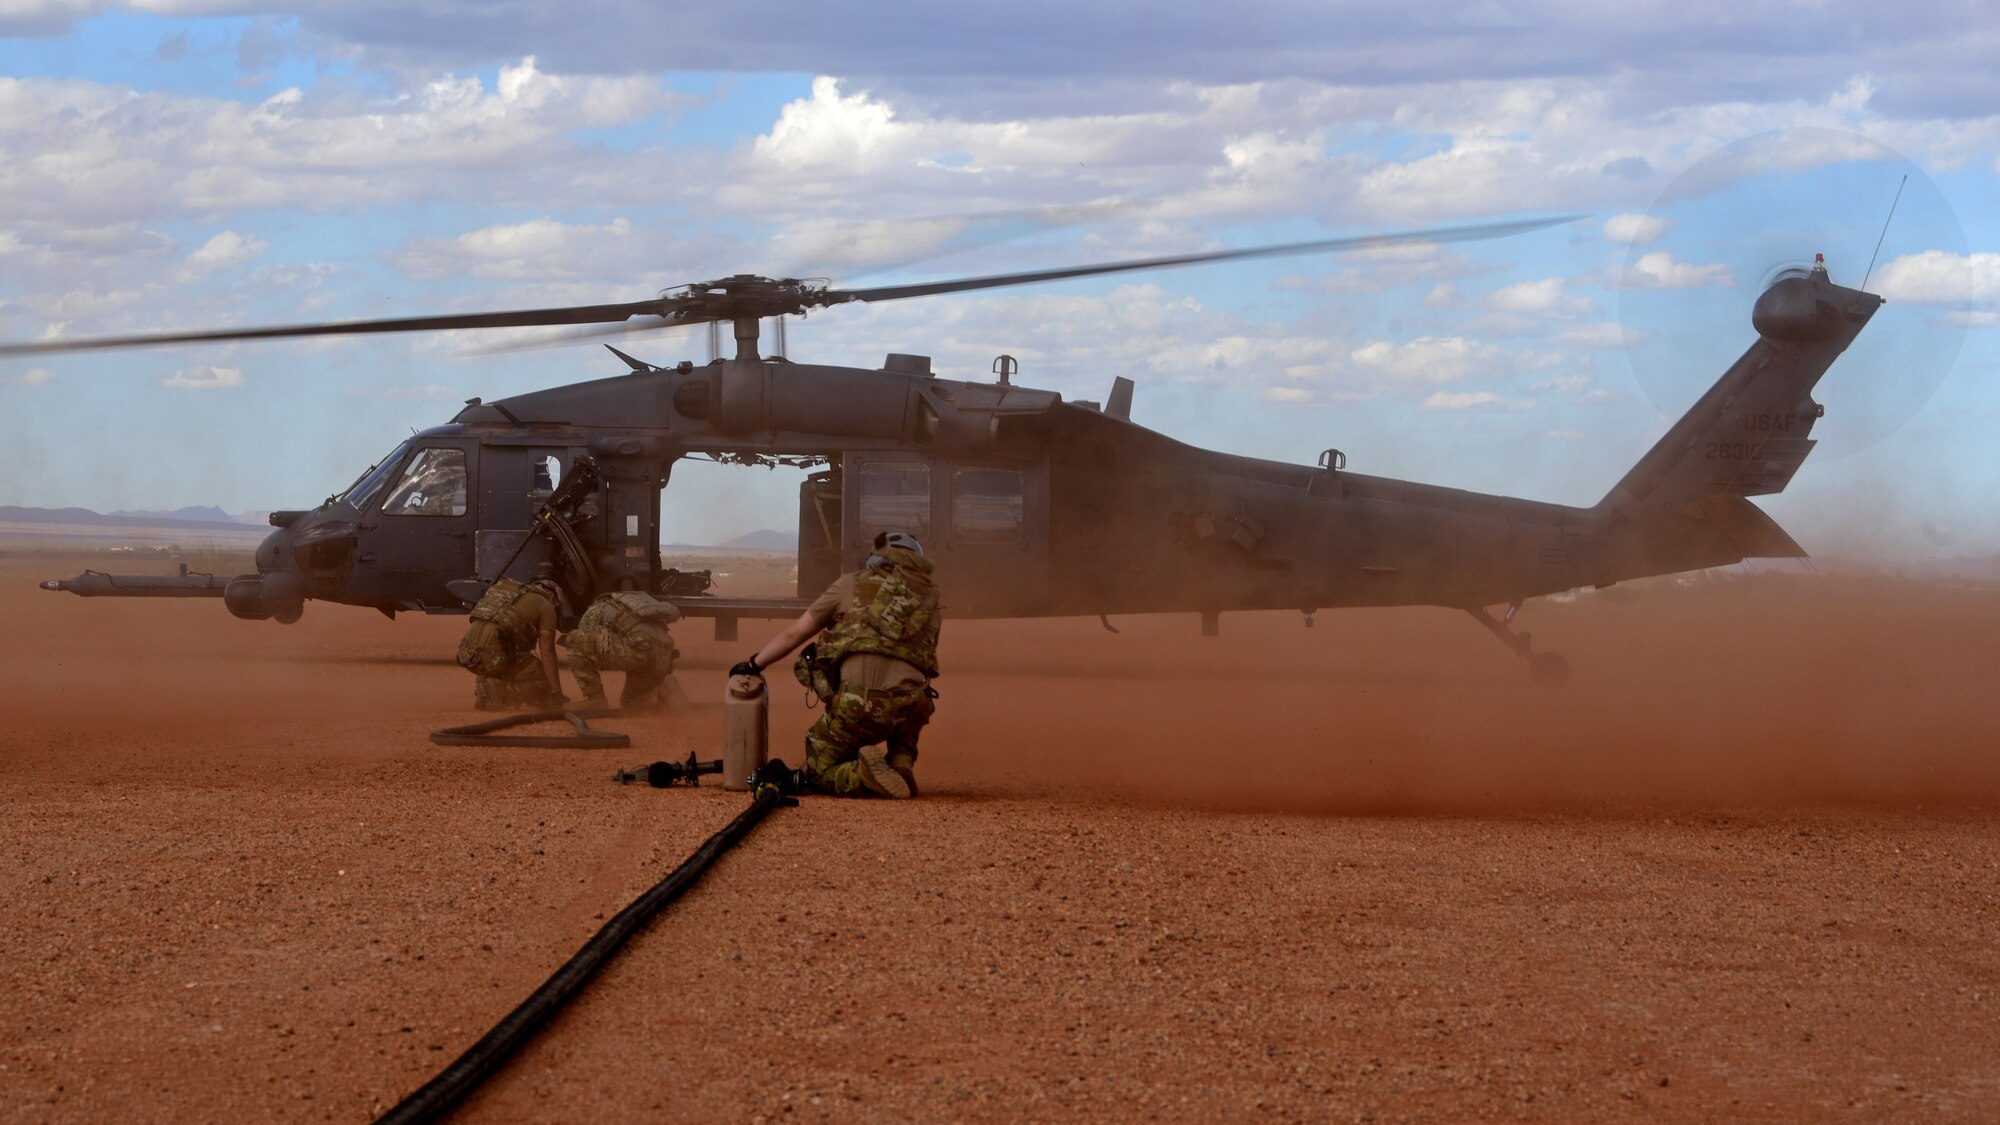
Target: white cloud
[(1935, 277), (1287, 394), (1596, 336), (537, 250), (225, 250), (1545, 297), (1635, 229), (1194, 152), (204, 378), (88, 152), (1460, 400), (834, 131), (1430, 359), (1853, 97), (1261, 356), (1571, 383), (45, 17), (1659, 270), (1965, 318), (846, 247), (32, 377)]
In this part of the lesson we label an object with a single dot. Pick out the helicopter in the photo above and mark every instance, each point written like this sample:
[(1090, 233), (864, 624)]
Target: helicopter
[(1030, 505)]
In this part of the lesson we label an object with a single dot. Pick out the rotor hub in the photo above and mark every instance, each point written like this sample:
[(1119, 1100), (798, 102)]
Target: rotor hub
[(744, 297)]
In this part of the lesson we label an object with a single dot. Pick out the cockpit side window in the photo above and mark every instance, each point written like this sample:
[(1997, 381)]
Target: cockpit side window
[(365, 489), (433, 485)]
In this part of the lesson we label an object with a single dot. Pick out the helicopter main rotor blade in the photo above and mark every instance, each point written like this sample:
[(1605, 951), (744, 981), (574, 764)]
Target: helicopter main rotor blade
[(1434, 234), (518, 318), (588, 335), (747, 297)]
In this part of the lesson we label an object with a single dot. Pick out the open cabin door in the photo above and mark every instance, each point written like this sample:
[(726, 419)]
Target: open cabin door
[(820, 539), (513, 483)]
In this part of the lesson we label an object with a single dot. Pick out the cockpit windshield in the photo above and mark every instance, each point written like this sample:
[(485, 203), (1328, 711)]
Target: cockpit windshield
[(433, 485), (363, 490)]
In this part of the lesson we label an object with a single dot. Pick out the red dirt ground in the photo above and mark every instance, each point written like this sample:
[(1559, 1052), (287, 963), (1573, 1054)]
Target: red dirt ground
[(1743, 867)]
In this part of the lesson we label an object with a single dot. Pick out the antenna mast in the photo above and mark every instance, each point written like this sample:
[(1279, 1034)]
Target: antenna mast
[(1885, 231)]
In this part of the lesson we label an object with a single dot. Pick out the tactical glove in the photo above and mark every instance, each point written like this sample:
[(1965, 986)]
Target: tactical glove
[(746, 668)]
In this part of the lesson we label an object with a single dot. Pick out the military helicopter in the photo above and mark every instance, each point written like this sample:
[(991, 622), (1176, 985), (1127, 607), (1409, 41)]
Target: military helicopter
[(1030, 505)]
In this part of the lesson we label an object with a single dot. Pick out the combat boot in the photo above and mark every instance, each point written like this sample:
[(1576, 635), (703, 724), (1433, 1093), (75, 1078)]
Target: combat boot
[(905, 764), (676, 697), (645, 701), (483, 696), (880, 777)]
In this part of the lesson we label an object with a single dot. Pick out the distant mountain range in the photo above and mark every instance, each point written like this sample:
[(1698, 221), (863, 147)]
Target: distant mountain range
[(205, 518), (764, 541), (207, 513)]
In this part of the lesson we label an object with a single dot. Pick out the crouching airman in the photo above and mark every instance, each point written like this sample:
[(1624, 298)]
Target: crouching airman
[(871, 667), (624, 632), (511, 646)]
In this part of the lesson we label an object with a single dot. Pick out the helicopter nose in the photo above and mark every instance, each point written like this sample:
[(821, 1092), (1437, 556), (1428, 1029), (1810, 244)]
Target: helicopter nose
[(275, 552), (277, 591), (279, 595)]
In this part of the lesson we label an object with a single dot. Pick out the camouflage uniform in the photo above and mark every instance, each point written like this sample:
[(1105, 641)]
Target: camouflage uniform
[(855, 719), (500, 646), (623, 632), (891, 611)]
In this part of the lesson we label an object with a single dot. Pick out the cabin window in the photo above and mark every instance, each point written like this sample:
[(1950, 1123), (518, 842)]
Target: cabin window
[(895, 496), (433, 485), (548, 473), (987, 505)]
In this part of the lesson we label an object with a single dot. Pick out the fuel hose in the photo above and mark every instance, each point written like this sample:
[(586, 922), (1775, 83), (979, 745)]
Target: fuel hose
[(438, 1096)]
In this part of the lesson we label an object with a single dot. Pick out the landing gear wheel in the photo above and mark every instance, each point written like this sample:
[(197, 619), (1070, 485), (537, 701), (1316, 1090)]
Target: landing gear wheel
[(1548, 669)]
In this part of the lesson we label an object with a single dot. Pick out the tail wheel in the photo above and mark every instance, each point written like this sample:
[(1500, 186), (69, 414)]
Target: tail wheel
[(1548, 669)]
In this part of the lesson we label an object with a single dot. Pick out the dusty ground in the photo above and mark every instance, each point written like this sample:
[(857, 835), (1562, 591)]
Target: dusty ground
[(1743, 867)]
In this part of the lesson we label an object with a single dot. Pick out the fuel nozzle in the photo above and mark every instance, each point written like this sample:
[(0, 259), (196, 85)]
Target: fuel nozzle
[(661, 775)]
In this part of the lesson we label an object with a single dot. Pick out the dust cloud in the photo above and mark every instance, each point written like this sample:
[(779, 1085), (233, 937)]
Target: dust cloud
[(1729, 690)]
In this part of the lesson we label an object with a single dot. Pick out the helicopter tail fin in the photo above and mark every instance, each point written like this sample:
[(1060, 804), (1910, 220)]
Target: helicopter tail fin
[(1753, 429), (1685, 504)]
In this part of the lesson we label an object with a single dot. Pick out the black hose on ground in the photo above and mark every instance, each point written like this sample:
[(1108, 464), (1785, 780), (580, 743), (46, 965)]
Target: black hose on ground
[(481, 734), (438, 1096)]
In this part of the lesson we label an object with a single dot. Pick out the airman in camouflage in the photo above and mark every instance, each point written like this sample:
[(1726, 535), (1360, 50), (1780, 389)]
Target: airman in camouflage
[(511, 647), (871, 668), (623, 632)]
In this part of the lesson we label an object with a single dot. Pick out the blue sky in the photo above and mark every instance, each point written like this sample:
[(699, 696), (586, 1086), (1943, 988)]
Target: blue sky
[(197, 163)]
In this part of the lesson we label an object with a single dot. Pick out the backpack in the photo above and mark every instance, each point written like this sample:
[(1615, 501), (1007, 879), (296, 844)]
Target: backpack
[(507, 636)]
